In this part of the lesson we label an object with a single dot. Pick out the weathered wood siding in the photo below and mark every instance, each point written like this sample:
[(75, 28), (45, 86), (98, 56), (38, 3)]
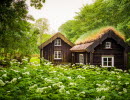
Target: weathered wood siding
[(85, 54), (48, 52), (95, 58), (117, 51)]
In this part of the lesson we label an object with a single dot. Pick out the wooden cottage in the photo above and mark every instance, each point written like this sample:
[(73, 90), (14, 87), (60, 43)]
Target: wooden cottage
[(56, 49), (106, 48)]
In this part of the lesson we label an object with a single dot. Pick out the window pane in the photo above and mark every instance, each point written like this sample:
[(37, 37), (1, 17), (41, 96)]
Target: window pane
[(109, 59), (55, 54), (109, 63), (108, 44), (59, 54), (104, 59), (57, 42), (104, 63)]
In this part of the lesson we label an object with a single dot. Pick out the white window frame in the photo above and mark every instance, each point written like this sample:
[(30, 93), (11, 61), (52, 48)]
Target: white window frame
[(57, 42), (102, 60), (80, 58), (108, 45), (56, 55)]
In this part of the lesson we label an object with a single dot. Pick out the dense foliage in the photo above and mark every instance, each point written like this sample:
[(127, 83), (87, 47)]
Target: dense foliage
[(32, 81), (99, 14), (18, 37)]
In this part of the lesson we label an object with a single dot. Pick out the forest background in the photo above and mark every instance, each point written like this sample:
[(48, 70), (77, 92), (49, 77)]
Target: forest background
[(19, 37)]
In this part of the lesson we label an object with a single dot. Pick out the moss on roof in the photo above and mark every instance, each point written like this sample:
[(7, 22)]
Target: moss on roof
[(96, 34)]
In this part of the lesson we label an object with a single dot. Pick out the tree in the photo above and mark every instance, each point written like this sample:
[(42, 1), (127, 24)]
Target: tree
[(43, 28), (16, 35), (99, 14)]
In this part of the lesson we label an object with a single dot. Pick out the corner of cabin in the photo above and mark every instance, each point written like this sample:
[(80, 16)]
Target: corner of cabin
[(57, 49), (106, 45)]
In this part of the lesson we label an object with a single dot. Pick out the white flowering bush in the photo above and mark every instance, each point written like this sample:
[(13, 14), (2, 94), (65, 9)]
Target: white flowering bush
[(48, 82)]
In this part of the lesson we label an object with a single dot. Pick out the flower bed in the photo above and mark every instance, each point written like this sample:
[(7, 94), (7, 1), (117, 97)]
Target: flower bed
[(48, 82)]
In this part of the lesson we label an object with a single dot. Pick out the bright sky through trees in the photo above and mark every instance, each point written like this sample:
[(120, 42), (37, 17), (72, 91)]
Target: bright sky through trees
[(58, 11)]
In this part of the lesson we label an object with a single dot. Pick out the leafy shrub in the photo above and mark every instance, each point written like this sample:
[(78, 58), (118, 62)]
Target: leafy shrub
[(48, 82)]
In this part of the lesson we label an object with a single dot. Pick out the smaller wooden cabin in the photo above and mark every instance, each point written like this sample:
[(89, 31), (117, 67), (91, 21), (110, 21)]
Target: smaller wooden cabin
[(106, 49), (56, 49)]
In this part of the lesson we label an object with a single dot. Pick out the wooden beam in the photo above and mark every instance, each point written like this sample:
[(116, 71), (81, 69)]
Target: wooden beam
[(91, 58), (125, 59)]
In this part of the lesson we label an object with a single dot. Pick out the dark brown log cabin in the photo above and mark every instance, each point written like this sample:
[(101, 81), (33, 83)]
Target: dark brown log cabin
[(56, 49), (107, 50)]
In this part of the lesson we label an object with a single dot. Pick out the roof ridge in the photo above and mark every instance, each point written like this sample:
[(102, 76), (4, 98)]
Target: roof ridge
[(53, 37)]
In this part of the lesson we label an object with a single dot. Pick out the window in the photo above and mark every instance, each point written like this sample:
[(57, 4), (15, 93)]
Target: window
[(57, 55), (108, 45), (57, 42), (107, 61)]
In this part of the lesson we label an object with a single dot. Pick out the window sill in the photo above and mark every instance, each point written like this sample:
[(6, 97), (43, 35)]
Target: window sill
[(57, 45), (57, 58), (108, 48), (107, 66)]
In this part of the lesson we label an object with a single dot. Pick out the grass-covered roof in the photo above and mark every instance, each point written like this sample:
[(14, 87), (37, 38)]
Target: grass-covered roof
[(96, 34)]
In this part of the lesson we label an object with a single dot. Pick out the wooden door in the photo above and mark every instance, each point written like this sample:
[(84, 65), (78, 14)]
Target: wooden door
[(81, 58)]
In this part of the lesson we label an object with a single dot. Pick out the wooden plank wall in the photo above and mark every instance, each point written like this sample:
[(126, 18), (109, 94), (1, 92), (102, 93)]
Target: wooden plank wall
[(117, 51), (48, 52)]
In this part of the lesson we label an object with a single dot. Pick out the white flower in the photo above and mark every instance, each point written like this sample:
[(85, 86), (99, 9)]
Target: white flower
[(125, 71), (98, 84), (25, 67), (127, 83), (57, 84), (107, 81), (26, 73), (124, 90), (6, 81), (31, 87), (79, 76), (47, 80), (119, 82), (120, 92), (102, 89), (4, 75), (13, 80), (39, 90), (97, 98), (69, 78), (82, 92), (62, 88), (49, 86), (120, 70), (102, 98), (118, 77), (19, 77), (15, 71), (127, 74), (72, 84), (67, 92), (2, 83), (112, 72)]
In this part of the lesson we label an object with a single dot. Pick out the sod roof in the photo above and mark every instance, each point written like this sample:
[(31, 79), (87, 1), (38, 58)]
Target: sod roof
[(96, 34)]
